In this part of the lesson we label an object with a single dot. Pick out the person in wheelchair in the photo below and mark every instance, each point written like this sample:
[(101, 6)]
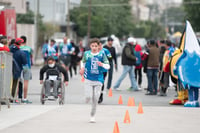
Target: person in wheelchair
[(53, 77)]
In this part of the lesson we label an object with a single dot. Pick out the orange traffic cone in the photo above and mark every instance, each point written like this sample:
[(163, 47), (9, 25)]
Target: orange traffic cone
[(116, 128), (120, 100), (140, 109), (131, 102), (110, 92), (127, 117), (82, 79)]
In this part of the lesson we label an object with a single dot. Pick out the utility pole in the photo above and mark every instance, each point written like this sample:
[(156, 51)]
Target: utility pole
[(36, 29), (68, 18), (89, 21), (166, 18)]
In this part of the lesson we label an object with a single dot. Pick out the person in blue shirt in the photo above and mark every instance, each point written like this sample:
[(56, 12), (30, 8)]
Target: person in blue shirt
[(66, 51), (52, 50), (93, 65), (19, 63), (44, 48), (109, 56)]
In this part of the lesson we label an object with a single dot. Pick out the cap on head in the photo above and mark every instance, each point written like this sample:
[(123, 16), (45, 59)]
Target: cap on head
[(109, 39), (131, 40), (19, 41)]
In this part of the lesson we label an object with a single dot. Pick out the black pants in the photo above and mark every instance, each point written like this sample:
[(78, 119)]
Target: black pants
[(74, 66), (20, 92), (102, 88), (138, 75)]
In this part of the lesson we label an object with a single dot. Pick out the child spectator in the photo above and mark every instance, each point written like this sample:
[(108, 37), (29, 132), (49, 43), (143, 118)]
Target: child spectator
[(138, 67)]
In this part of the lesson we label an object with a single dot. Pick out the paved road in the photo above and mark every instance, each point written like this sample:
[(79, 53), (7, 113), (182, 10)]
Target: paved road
[(73, 117)]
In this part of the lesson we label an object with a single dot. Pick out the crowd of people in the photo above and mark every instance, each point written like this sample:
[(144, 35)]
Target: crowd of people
[(22, 62), (66, 53), (94, 64)]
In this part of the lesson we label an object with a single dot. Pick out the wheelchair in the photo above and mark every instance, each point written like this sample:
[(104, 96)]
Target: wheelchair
[(60, 93)]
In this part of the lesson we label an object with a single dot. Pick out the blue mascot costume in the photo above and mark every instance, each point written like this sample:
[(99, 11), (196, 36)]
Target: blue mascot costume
[(187, 67)]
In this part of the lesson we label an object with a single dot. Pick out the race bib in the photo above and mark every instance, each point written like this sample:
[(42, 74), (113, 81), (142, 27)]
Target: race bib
[(53, 77)]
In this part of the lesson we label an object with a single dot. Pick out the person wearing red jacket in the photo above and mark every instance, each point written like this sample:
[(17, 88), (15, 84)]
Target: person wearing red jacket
[(138, 67), (3, 43)]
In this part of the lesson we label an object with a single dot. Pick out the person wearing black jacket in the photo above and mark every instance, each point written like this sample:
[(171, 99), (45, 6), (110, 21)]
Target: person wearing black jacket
[(128, 62), (52, 71), (114, 57)]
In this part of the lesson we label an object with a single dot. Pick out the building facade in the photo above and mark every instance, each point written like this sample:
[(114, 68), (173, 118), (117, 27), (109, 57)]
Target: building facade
[(54, 11), (19, 5)]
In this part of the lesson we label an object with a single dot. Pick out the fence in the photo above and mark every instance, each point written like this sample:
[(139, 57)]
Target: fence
[(5, 77)]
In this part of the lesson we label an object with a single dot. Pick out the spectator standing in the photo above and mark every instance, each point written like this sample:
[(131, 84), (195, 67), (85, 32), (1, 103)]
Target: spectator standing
[(26, 74), (165, 68), (138, 67), (3, 44), (113, 57), (128, 62), (19, 63), (152, 68), (93, 65)]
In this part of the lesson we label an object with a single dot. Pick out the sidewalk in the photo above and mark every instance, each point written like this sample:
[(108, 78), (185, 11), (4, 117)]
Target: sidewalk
[(74, 118)]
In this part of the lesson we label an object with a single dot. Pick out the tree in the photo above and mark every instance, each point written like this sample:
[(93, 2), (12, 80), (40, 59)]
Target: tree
[(149, 29), (175, 18), (193, 13), (97, 24), (27, 18), (105, 20), (49, 30)]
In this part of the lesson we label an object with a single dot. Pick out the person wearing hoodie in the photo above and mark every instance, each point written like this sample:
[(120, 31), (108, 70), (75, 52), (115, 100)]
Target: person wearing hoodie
[(138, 67), (19, 63)]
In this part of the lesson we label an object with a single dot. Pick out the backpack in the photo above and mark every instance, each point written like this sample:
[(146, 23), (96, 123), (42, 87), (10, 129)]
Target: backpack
[(15, 69)]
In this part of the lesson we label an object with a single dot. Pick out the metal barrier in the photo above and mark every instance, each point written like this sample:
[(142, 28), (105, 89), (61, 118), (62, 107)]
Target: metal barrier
[(5, 77)]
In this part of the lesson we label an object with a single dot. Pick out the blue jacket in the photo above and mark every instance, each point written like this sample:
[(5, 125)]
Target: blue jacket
[(20, 57)]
